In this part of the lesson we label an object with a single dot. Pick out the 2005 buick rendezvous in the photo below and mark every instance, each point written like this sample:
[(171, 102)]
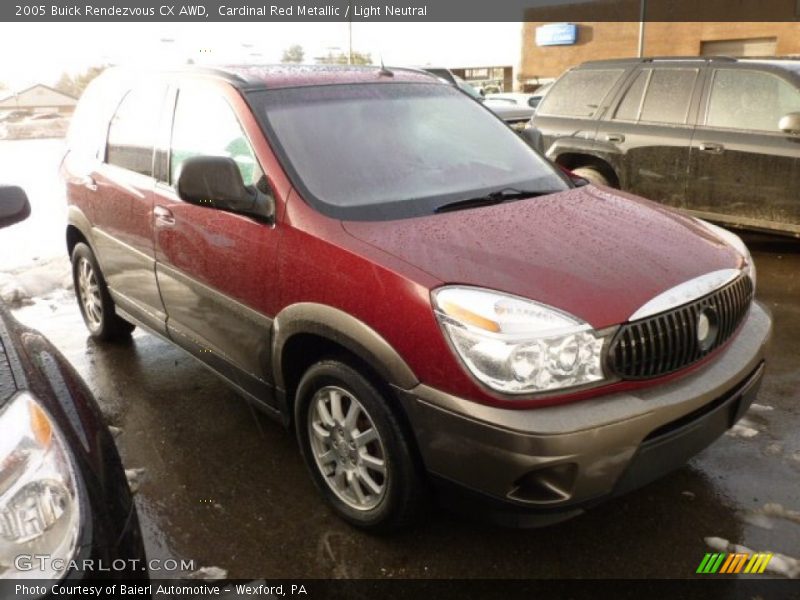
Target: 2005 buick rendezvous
[(375, 258)]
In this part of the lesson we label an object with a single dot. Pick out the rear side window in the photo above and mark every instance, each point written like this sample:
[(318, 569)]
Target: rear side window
[(579, 93), (668, 96), (750, 100), (132, 132), (631, 105), (89, 125)]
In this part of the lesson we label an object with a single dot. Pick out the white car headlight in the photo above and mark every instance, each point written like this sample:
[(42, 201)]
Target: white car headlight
[(737, 244), (39, 500), (517, 346)]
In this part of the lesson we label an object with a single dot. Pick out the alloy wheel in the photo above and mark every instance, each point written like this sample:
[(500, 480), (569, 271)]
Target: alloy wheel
[(347, 448), (89, 292)]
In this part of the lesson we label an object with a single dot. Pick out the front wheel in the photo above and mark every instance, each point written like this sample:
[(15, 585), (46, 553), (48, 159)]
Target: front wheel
[(358, 453), (94, 300)]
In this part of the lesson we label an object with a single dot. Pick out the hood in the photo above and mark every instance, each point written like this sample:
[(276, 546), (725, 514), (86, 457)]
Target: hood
[(596, 253)]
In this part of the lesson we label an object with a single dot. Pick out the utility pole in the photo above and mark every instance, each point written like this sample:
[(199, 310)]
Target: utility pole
[(350, 35), (642, 17)]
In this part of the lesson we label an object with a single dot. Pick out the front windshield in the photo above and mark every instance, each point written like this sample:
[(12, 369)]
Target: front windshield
[(384, 151)]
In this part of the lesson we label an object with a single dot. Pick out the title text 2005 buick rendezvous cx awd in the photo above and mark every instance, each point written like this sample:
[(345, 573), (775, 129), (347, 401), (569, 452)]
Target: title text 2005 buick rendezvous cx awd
[(377, 260)]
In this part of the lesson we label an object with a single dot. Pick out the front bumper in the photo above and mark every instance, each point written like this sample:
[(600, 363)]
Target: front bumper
[(540, 466)]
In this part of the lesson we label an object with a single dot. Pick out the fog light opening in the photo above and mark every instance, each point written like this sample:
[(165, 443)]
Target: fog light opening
[(546, 485)]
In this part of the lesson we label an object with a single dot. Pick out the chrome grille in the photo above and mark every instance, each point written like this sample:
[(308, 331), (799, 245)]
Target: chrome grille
[(669, 341)]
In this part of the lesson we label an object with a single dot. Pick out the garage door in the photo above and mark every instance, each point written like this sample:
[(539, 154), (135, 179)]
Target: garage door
[(745, 47)]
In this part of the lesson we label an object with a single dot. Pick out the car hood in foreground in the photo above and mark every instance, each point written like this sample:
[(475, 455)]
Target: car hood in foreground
[(596, 253)]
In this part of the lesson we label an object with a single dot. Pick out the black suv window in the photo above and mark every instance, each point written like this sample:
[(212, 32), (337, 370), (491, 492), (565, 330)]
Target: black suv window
[(668, 95), (750, 100), (631, 105), (579, 93), (132, 133)]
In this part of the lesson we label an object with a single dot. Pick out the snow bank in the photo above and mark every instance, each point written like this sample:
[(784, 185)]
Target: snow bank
[(20, 286)]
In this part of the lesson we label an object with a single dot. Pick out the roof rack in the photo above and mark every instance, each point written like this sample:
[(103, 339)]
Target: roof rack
[(651, 59)]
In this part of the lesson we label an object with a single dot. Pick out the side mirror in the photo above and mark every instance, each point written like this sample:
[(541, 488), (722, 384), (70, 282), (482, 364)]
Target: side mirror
[(482, 92), (534, 138), (215, 181), (14, 205), (790, 123)]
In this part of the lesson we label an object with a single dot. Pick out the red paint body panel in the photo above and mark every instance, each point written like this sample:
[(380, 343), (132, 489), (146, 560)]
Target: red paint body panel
[(596, 253), (385, 278)]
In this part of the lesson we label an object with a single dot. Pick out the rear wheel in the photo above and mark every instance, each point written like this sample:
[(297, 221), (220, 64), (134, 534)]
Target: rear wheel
[(94, 300), (356, 449), (592, 175)]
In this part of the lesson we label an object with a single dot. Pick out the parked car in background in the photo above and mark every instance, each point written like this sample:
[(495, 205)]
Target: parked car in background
[(718, 138), (516, 116), (438, 306), (63, 492), (530, 100)]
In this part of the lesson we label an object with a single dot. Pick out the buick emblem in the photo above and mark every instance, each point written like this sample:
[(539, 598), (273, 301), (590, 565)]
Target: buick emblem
[(706, 328)]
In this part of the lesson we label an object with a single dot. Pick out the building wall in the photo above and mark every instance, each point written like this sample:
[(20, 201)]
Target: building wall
[(598, 40)]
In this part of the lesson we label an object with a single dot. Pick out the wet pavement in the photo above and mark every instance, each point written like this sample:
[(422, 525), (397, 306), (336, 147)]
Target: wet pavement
[(225, 486)]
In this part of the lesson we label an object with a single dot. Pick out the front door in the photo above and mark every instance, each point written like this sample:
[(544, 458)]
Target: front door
[(216, 269), (744, 170)]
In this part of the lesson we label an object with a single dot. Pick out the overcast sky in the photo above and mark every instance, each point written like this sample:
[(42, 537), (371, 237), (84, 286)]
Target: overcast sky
[(40, 52)]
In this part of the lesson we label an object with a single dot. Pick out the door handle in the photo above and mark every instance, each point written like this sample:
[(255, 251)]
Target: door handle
[(89, 183), (164, 216), (615, 137), (712, 148)]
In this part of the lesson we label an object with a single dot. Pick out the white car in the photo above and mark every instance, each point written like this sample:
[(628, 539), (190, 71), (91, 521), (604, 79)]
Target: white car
[(531, 100)]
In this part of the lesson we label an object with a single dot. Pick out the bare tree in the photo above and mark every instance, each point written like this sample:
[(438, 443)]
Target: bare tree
[(75, 84), (293, 54)]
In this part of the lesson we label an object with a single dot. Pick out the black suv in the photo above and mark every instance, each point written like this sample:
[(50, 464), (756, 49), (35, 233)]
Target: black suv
[(717, 137)]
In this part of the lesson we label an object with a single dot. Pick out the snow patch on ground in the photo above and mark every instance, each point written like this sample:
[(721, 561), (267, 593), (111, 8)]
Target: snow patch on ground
[(134, 477), (779, 564), (773, 509), (21, 286), (209, 573), (743, 429)]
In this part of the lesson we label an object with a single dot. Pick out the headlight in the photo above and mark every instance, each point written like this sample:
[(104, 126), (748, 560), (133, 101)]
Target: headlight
[(518, 346), (39, 507), (737, 244)]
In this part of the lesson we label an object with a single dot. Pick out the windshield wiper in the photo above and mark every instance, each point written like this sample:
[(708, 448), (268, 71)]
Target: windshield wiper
[(496, 197)]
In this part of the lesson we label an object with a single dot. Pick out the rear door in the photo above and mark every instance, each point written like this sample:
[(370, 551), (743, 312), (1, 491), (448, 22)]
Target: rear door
[(570, 108), (744, 170), (122, 187), (216, 270), (647, 134)]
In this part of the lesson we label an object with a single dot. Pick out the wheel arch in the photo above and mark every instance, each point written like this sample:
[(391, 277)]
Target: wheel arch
[(78, 229), (575, 160), (305, 332)]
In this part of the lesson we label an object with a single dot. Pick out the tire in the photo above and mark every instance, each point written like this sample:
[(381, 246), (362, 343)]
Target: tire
[(94, 301), (395, 494), (592, 175)]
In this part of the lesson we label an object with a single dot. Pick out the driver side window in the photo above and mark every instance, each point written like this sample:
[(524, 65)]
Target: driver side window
[(206, 125), (750, 100)]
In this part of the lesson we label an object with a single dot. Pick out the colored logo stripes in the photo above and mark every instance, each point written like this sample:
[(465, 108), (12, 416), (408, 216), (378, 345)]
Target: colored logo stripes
[(739, 562)]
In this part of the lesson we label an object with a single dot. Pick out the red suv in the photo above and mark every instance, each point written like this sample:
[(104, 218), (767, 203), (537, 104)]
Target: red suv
[(377, 260)]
